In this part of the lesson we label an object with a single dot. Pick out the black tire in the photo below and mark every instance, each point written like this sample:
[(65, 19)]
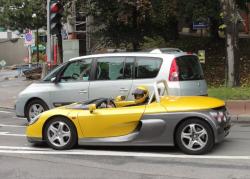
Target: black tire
[(34, 102), (70, 141), (196, 138)]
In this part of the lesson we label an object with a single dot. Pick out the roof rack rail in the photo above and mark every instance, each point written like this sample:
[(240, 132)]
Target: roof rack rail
[(166, 50)]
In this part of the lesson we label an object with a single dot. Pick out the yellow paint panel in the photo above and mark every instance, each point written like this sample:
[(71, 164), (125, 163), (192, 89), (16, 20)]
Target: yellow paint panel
[(35, 130), (190, 103), (155, 108), (110, 122)]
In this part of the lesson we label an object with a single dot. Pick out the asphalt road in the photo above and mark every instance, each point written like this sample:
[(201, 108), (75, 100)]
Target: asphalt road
[(22, 160)]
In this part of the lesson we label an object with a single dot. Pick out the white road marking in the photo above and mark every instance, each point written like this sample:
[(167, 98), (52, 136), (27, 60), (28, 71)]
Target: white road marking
[(6, 125), (9, 134), (7, 112), (23, 148), (40, 151)]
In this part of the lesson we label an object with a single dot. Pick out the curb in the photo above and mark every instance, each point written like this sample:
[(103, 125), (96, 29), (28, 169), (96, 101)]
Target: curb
[(240, 118)]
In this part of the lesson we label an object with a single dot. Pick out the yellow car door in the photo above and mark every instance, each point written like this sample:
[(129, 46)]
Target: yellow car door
[(110, 122)]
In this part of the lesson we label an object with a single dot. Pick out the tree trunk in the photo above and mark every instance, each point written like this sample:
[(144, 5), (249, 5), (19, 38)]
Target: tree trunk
[(232, 48)]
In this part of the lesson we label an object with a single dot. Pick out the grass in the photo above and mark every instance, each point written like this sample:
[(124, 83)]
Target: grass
[(241, 93)]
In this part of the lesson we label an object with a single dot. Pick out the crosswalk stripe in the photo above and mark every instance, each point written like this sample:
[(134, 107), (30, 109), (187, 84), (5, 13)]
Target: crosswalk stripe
[(31, 150), (6, 125)]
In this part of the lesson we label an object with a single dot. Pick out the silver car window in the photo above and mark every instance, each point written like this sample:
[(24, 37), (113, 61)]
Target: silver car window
[(77, 71), (110, 68)]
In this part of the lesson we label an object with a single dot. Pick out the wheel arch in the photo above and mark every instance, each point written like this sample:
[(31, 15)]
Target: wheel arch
[(58, 116), (32, 99), (192, 117)]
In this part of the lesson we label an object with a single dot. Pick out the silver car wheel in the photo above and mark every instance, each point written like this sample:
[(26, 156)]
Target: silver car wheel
[(35, 110), (194, 137), (59, 134)]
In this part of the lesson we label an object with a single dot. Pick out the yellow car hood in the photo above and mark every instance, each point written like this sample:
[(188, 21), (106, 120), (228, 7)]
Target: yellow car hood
[(190, 103)]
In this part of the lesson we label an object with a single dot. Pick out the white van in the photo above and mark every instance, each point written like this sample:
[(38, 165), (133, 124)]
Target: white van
[(110, 75)]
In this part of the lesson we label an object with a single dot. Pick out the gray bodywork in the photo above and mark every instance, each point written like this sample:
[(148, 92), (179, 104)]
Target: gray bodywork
[(159, 130)]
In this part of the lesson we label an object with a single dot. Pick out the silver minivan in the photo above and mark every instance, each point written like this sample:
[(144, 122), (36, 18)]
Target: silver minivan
[(110, 75)]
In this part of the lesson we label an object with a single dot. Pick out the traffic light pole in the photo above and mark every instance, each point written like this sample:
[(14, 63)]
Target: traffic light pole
[(48, 33)]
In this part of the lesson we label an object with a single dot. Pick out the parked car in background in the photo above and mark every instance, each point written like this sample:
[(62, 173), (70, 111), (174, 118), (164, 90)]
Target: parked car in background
[(110, 75)]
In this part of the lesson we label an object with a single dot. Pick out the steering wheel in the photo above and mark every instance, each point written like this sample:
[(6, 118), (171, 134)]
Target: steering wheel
[(75, 76), (105, 103)]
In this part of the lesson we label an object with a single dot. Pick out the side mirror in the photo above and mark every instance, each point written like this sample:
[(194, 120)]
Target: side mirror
[(120, 98), (53, 80), (92, 108)]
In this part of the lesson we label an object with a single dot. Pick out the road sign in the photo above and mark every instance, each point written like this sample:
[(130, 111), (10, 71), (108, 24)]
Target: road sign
[(202, 56), (28, 38), (199, 25)]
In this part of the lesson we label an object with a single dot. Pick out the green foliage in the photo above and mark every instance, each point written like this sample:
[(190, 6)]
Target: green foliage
[(241, 93), (164, 18), (122, 22), (17, 15)]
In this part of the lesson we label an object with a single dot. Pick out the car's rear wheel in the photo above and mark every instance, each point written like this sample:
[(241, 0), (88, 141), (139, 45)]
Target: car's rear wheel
[(34, 108), (60, 134), (195, 137)]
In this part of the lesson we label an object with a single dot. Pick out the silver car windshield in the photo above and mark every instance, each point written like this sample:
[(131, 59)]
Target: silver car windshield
[(53, 73)]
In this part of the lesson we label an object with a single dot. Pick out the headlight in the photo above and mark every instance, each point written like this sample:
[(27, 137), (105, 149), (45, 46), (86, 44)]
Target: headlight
[(219, 116), (35, 119)]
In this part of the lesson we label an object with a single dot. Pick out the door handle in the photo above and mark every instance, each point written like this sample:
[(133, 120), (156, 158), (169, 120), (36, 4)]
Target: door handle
[(83, 91), (123, 89)]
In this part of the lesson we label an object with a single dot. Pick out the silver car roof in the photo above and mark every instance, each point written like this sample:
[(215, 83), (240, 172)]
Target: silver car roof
[(134, 54)]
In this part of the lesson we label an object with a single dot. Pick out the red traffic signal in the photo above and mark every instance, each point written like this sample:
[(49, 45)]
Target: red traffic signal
[(56, 7), (56, 10)]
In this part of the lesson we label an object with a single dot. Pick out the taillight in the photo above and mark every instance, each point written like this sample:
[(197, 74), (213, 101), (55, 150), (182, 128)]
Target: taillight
[(174, 72)]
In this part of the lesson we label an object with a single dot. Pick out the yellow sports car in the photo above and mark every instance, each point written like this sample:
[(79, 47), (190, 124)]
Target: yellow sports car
[(193, 123)]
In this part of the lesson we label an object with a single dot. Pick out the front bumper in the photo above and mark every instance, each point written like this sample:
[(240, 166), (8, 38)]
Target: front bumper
[(19, 108), (223, 129), (35, 140)]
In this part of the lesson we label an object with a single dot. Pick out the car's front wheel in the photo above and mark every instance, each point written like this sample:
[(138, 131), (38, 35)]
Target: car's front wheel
[(195, 137), (34, 108), (60, 134)]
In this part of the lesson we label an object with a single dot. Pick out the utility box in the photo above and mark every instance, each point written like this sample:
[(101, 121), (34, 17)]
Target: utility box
[(70, 49)]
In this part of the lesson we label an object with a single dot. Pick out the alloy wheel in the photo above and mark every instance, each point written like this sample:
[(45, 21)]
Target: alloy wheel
[(194, 137), (59, 134), (35, 110)]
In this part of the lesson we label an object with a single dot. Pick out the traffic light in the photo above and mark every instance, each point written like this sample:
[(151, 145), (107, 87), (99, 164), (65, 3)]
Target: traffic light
[(56, 10)]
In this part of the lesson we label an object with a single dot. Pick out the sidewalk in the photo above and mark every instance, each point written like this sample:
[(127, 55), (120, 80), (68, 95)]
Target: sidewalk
[(11, 84), (239, 109)]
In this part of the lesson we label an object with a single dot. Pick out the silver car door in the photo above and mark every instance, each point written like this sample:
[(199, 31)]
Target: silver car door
[(73, 85), (113, 77)]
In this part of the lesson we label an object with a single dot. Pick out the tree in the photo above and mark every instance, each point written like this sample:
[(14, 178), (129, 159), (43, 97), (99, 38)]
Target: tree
[(165, 19), (122, 22), (17, 15), (231, 19)]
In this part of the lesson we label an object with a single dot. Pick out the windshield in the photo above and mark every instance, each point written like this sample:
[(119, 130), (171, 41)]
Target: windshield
[(53, 73)]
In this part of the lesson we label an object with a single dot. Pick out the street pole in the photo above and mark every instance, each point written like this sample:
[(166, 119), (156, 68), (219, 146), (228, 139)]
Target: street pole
[(48, 33)]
